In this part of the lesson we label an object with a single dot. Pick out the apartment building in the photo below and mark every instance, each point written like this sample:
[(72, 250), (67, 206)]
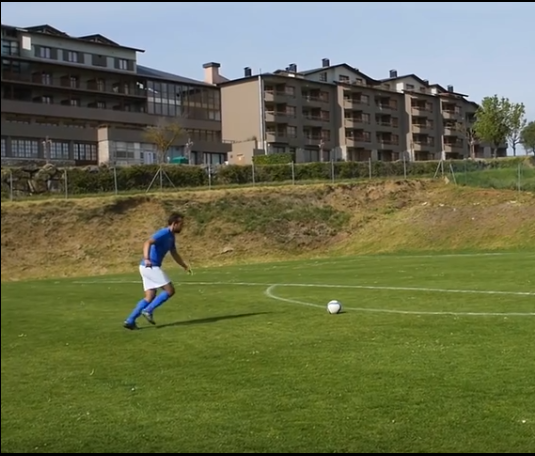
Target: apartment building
[(336, 112), (283, 113), (85, 100)]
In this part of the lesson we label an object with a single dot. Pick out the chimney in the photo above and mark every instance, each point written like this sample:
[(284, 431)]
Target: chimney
[(247, 72), (293, 68), (451, 89), (325, 63), (211, 73), (426, 82), (393, 73)]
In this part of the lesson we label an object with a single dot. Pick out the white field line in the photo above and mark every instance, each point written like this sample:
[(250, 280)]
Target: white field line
[(321, 285), (270, 294)]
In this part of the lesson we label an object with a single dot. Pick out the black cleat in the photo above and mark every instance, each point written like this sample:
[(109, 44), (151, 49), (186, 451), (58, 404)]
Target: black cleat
[(130, 326)]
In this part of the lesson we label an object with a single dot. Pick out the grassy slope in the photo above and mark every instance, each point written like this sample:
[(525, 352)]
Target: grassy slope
[(103, 235)]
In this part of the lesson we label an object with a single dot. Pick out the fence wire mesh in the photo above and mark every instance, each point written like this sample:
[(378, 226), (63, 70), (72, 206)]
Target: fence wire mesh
[(23, 183)]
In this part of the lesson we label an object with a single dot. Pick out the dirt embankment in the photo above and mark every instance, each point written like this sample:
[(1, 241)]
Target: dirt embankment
[(103, 235)]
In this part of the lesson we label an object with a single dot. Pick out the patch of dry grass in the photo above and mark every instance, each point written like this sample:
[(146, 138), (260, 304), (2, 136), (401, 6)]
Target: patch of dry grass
[(102, 235)]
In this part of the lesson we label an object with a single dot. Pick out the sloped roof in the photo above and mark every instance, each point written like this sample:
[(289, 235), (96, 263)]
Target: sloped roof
[(94, 38), (153, 73), (344, 65)]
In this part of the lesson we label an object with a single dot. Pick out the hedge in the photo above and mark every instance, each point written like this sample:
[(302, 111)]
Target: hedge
[(138, 178)]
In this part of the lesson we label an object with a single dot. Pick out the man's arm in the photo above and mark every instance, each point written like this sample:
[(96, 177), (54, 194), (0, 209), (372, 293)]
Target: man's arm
[(176, 256), (150, 242), (146, 248)]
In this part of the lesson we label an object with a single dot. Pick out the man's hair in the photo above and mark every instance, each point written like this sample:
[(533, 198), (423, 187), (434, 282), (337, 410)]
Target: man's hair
[(174, 218)]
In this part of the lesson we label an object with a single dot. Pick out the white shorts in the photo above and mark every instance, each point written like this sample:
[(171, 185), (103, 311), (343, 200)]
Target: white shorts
[(153, 278)]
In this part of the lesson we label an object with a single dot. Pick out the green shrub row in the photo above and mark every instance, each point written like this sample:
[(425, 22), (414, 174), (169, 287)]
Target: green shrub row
[(135, 178)]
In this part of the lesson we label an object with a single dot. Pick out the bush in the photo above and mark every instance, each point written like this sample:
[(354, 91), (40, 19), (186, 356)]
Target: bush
[(138, 178), (273, 159)]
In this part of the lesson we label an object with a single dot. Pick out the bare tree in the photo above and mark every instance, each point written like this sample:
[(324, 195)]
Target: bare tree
[(163, 135), (469, 135), (517, 123)]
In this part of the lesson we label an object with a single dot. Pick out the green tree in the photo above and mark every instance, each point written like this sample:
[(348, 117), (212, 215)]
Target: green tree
[(527, 137), (517, 122), (493, 123)]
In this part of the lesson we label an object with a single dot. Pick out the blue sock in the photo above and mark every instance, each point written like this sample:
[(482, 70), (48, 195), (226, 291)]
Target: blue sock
[(158, 301), (141, 306)]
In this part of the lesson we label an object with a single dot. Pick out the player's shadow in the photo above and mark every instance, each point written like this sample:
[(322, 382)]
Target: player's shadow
[(201, 321)]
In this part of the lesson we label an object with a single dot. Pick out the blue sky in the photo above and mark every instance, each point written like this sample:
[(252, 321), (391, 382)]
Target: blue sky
[(480, 48)]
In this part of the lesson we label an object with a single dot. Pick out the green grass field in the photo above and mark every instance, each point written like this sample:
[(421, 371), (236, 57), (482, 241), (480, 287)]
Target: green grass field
[(433, 354)]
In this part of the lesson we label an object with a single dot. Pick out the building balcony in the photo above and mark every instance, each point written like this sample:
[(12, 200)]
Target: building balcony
[(452, 115), (386, 107), (387, 126), (358, 142), (75, 85), (422, 111), (386, 143), (277, 96), (418, 146), (452, 131), (455, 148), (423, 128), (312, 100), (315, 121), (279, 117), (355, 103), (101, 116), (355, 122), (276, 137)]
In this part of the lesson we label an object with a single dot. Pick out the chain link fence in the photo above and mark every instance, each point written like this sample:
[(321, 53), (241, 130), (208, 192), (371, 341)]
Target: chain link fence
[(49, 180)]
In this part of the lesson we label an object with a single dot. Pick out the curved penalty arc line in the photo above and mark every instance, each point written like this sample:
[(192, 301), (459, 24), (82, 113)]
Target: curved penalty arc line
[(269, 292)]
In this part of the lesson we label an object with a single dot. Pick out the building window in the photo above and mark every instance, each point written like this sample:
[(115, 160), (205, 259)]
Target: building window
[(291, 131), (122, 64), (44, 52), (85, 152), (74, 82), (4, 147), (24, 148), (99, 60), (58, 150), (214, 158), (172, 100), (74, 102), (46, 79), (290, 91), (72, 56), (344, 78), (124, 150), (46, 100), (10, 47), (323, 76)]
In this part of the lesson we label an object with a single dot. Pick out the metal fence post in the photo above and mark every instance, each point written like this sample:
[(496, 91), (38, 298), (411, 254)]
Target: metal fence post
[(11, 192), (66, 184)]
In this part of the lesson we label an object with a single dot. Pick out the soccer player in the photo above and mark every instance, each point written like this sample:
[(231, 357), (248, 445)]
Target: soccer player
[(154, 251)]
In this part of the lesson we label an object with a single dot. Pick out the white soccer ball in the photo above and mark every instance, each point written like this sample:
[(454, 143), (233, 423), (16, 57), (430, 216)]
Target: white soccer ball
[(334, 307)]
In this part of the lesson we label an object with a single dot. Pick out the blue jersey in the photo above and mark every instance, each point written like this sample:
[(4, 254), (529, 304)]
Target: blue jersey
[(164, 242)]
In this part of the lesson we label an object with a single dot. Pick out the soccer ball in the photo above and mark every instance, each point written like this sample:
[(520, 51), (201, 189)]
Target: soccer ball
[(334, 307)]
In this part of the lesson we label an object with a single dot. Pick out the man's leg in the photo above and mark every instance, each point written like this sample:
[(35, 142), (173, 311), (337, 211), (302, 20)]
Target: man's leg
[(167, 292), (130, 322)]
